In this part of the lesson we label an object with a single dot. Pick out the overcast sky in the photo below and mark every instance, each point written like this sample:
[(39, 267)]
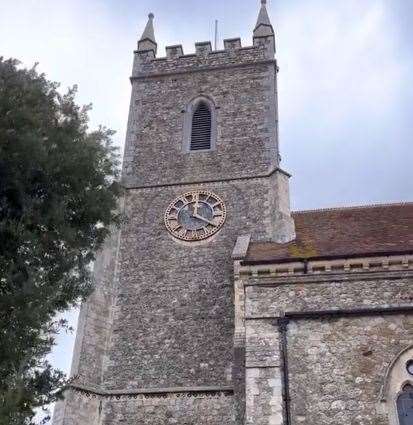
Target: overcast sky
[(346, 80)]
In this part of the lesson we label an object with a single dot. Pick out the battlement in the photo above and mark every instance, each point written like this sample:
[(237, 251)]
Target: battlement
[(146, 63), (205, 47), (204, 57)]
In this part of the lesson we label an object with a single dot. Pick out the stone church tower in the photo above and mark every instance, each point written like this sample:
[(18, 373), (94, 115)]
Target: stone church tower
[(201, 167), (214, 304)]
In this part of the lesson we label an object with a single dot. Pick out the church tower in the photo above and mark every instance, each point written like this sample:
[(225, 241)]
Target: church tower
[(156, 342)]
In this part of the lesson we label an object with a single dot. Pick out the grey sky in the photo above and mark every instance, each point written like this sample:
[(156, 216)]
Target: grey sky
[(346, 79)]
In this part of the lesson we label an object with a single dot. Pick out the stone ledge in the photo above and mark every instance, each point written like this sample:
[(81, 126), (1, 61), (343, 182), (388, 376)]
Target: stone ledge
[(161, 392), (344, 266), (128, 186)]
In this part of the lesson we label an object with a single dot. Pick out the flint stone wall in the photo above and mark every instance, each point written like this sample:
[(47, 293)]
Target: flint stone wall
[(336, 365), (245, 98), (77, 409), (344, 291), (182, 410), (173, 323)]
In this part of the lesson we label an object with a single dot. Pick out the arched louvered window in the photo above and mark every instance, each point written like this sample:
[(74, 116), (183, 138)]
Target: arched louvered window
[(200, 125), (201, 128)]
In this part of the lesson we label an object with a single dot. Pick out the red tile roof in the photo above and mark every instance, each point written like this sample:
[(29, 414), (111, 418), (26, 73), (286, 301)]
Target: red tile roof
[(343, 232)]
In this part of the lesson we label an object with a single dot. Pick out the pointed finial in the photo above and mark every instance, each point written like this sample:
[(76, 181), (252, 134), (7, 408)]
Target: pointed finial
[(147, 41), (264, 31), (263, 27)]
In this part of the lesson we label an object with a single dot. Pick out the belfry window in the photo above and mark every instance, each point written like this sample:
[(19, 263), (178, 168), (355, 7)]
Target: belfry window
[(201, 128), (405, 405), (200, 125)]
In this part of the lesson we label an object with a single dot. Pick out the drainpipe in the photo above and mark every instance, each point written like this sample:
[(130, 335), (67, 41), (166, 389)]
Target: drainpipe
[(282, 329), (305, 266)]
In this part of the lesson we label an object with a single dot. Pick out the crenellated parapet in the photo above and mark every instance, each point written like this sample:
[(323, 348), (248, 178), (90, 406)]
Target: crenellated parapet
[(204, 57), (233, 54)]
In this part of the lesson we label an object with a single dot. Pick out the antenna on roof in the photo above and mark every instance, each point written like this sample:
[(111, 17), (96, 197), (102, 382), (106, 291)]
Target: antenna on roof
[(216, 34)]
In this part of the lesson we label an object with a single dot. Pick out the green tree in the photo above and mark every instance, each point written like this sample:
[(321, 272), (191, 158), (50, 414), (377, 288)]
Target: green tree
[(58, 198)]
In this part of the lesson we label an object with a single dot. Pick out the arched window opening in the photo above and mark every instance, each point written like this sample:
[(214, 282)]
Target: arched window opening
[(405, 405), (397, 391), (201, 128)]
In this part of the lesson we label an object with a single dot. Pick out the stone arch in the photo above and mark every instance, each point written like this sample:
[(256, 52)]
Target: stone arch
[(190, 109), (396, 378)]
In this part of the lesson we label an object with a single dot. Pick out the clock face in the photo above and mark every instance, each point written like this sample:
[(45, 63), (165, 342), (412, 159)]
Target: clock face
[(195, 215)]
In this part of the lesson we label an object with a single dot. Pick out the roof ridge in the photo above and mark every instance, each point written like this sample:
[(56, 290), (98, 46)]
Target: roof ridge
[(356, 207)]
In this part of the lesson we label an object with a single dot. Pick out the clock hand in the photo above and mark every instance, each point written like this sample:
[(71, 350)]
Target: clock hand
[(196, 206), (199, 217)]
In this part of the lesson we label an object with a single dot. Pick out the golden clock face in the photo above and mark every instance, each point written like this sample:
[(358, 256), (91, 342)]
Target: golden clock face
[(195, 215)]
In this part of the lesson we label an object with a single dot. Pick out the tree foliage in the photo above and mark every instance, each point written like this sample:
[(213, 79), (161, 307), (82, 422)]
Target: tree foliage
[(58, 197)]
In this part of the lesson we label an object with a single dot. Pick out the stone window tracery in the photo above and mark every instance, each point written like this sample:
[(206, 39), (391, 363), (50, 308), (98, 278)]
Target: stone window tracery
[(397, 390), (405, 405)]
